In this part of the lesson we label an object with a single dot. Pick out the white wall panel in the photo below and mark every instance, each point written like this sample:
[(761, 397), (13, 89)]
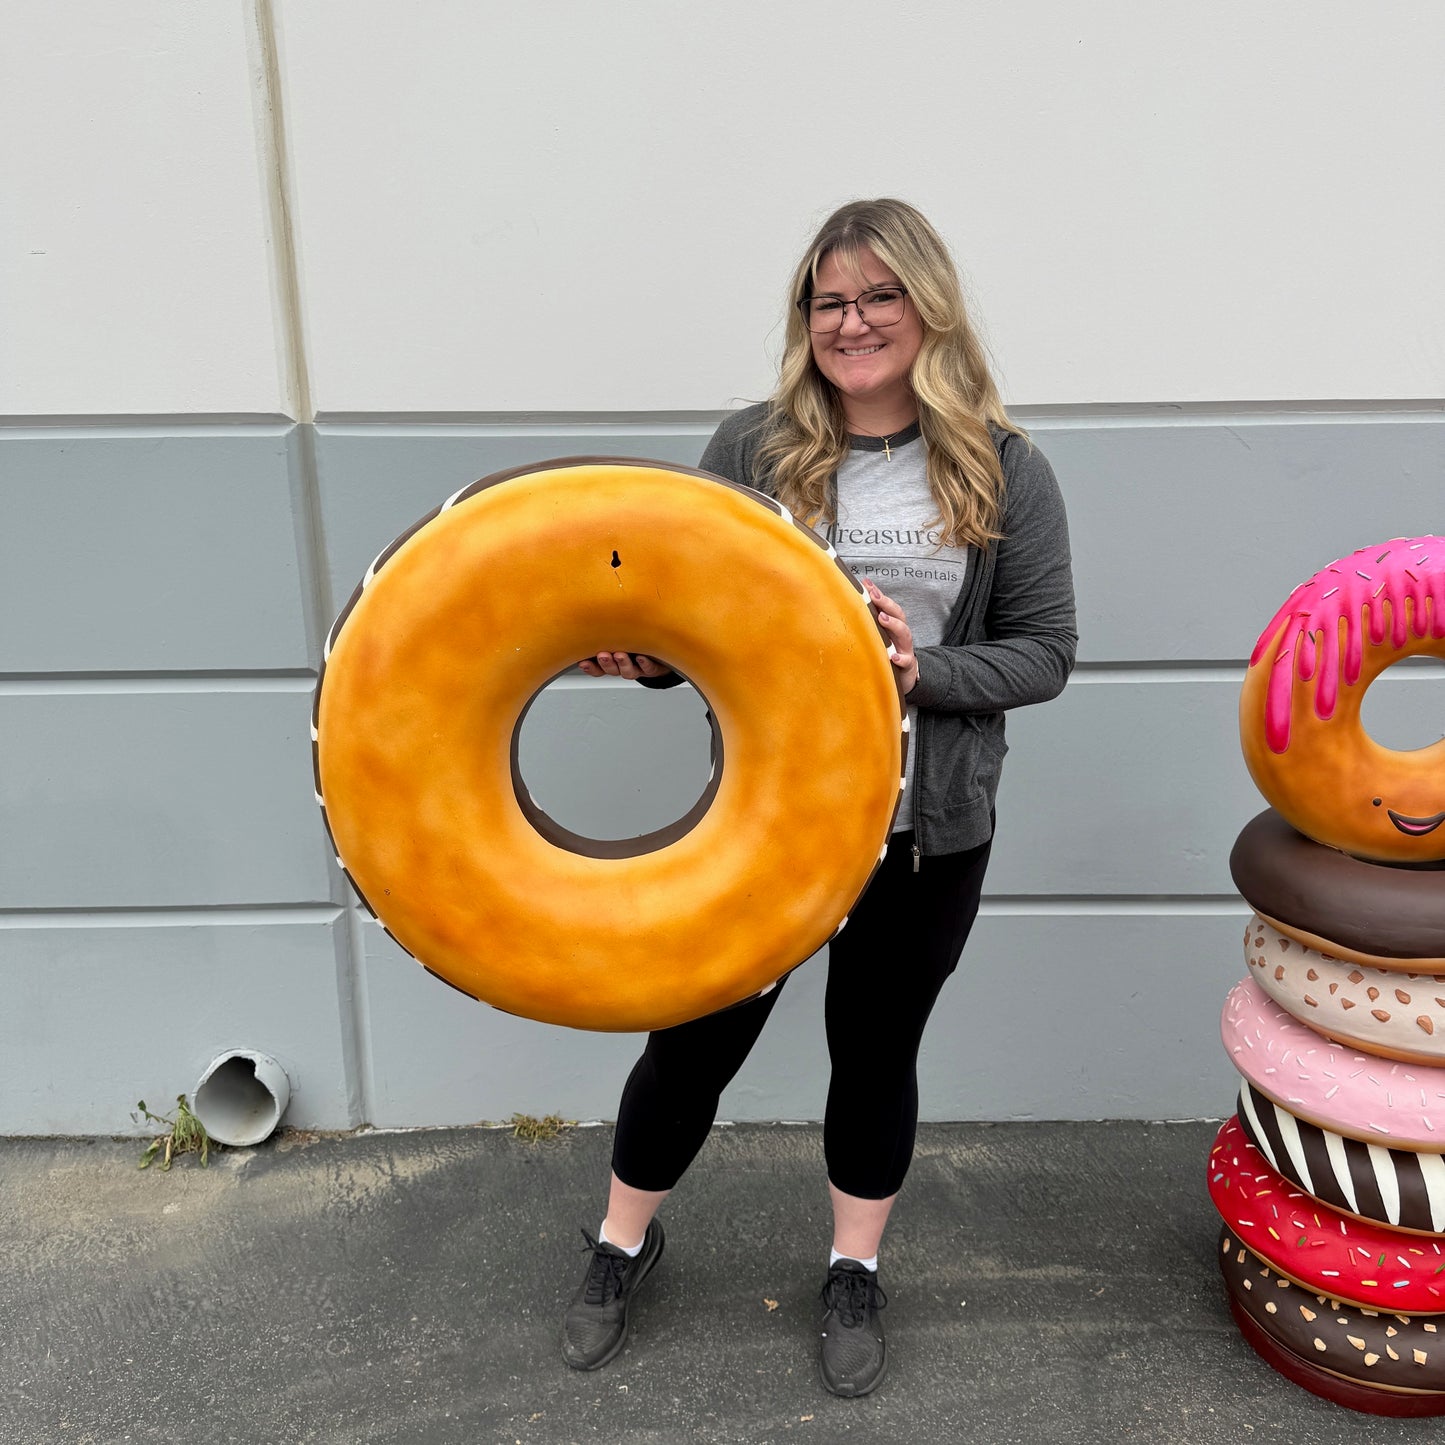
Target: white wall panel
[(134, 271), (583, 207)]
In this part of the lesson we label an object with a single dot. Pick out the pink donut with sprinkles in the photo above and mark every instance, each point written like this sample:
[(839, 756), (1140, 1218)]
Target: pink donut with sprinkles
[(1359, 1095), (1299, 712), (1369, 1265)]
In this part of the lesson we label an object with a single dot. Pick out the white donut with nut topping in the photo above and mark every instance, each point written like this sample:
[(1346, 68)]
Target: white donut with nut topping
[(1397, 1015)]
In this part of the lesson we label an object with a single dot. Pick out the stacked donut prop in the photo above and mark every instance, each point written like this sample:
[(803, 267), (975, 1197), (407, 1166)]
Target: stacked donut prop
[(457, 626), (1330, 1178)]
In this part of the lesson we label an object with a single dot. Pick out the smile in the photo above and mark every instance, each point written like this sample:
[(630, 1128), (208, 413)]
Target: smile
[(861, 351), (1415, 827)]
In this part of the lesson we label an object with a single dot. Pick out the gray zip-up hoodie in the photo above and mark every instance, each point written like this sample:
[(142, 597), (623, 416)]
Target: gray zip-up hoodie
[(1009, 641)]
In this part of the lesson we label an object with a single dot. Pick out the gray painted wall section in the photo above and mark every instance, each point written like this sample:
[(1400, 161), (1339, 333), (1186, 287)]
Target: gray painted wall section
[(158, 799), (161, 596), (1070, 1015), (134, 551), (104, 1010)]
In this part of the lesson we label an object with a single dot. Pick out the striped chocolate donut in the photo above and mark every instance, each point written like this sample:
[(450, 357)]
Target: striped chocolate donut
[(1388, 1352), (1396, 1015), (1402, 1187)]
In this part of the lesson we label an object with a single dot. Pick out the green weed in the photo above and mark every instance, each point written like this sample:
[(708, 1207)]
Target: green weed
[(185, 1134), (539, 1131)]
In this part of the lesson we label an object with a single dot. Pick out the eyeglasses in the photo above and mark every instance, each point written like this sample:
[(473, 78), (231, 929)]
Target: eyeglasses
[(826, 313)]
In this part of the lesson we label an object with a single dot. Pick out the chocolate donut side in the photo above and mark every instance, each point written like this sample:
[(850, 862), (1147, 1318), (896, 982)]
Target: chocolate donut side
[(1367, 1399), (1386, 915), (1386, 1351)]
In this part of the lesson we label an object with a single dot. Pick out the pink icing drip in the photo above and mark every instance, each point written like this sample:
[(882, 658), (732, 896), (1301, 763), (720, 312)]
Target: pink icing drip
[(1355, 588)]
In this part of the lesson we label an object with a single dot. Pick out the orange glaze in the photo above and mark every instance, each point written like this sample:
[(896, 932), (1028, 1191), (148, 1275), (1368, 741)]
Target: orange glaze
[(1299, 711), (431, 669)]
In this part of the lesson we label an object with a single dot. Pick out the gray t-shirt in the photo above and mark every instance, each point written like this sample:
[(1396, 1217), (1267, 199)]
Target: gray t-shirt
[(887, 529)]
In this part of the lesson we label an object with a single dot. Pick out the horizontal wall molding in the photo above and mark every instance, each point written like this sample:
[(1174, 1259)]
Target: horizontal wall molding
[(160, 423), (1042, 415), (1085, 674), (47, 684), (1018, 905), (220, 916), (486, 423), (1230, 671), (1065, 905), (1206, 413)]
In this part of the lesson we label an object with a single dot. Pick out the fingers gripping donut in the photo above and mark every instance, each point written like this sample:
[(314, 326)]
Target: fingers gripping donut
[(465, 618), (1299, 712)]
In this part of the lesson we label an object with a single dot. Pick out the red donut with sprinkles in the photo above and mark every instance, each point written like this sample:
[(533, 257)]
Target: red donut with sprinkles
[(1299, 713), (1363, 1264)]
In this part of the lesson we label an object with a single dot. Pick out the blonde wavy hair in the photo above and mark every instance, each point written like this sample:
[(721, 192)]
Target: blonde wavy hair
[(807, 438)]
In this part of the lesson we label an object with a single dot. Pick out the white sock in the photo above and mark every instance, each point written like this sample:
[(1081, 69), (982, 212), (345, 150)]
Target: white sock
[(870, 1264), (603, 1239)]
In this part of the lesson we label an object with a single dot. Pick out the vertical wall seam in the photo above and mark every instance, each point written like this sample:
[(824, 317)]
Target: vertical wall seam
[(308, 522), (276, 171), (360, 1000)]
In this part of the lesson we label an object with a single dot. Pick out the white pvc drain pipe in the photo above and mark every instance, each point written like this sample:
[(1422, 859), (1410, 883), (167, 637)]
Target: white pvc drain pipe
[(241, 1097)]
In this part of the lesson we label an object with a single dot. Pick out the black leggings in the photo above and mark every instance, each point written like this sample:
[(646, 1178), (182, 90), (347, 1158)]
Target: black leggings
[(885, 971)]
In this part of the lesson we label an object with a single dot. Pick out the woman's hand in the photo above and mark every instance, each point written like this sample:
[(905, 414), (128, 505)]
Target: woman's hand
[(623, 664), (893, 621)]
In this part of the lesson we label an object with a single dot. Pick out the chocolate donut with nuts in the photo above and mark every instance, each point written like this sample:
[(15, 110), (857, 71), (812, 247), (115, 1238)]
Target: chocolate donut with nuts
[(1385, 1351)]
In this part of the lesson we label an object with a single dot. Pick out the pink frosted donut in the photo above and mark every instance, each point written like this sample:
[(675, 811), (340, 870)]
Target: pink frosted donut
[(1397, 1015), (1370, 1265), (1359, 1095), (1299, 710)]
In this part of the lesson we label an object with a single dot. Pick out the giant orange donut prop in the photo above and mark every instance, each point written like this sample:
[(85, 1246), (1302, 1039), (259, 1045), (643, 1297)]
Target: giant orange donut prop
[(459, 624), (1299, 712)]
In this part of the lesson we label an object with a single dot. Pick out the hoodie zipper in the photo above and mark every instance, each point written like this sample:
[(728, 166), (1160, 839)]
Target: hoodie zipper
[(917, 773)]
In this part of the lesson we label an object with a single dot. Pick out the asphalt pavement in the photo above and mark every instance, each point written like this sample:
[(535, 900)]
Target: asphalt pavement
[(1046, 1283)]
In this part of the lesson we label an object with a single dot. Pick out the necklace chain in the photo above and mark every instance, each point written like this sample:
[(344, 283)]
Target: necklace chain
[(887, 451), (887, 441)]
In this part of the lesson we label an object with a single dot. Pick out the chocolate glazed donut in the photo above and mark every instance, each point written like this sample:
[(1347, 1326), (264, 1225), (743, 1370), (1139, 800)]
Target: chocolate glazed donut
[(1389, 1186), (1388, 916), (1393, 1354)]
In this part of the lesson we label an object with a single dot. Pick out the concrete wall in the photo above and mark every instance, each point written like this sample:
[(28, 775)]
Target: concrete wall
[(279, 280)]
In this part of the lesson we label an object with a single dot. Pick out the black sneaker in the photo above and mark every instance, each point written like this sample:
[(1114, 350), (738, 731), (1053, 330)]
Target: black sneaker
[(855, 1355), (595, 1327)]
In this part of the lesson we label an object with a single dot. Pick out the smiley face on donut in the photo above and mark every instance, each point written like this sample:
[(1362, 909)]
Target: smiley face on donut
[(1299, 712)]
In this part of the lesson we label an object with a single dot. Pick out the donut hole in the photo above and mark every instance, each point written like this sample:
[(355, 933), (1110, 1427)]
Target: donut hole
[(608, 768), (1406, 719)]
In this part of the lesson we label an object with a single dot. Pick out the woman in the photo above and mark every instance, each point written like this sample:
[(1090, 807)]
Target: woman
[(886, 434)]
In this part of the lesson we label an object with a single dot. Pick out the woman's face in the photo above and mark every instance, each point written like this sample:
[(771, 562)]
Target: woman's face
[(865, 363)]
